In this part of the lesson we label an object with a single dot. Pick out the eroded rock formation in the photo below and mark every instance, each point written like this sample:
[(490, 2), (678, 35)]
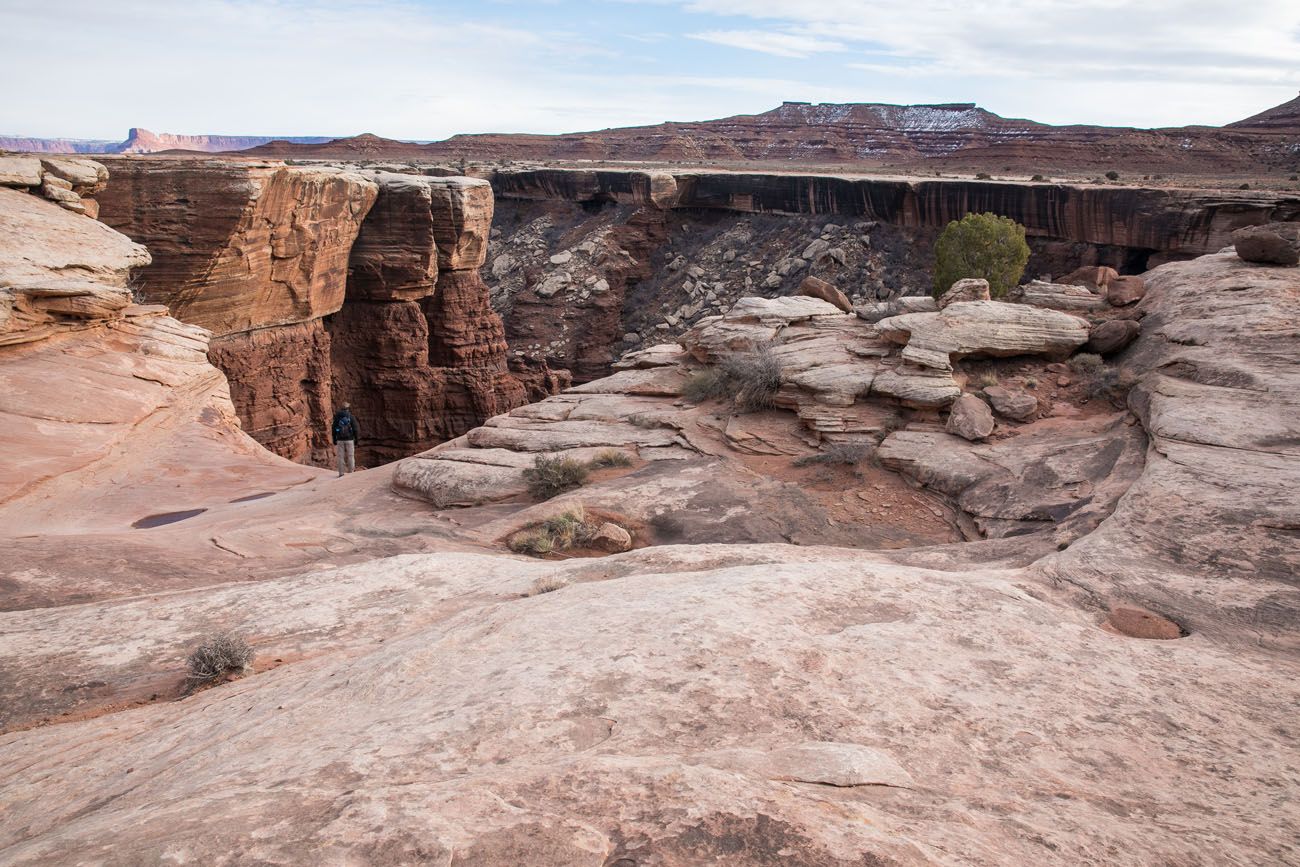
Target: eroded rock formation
[(323, 286)]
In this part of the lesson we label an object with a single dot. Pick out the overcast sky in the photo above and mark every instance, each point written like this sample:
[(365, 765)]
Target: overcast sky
[(420, 69)]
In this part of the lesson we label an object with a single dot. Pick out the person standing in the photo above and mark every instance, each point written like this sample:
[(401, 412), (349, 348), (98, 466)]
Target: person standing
[(344, 432)]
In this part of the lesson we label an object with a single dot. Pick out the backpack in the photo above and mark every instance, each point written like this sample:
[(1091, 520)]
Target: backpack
[(343, 426)]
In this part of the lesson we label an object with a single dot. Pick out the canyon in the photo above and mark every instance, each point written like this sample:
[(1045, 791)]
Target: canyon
[(142, 141), (977, 582)]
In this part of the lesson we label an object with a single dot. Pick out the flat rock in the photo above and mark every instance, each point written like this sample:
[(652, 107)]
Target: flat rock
[(991, 328), (20, 171), (1057, 296)]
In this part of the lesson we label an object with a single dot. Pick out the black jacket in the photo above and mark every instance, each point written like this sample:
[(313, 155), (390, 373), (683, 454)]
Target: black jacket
[(354, 435)]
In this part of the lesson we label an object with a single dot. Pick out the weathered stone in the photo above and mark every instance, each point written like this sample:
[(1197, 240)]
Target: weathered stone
[(1125, 290), (17, 171), (1271, 244), (1095, 277), (1112, 335), (462, 220), (1056, 296), (612, 538), (394, 257), (815, 287), (879, 310), (1014, 403), (86, 177), (970, 418), (990, 328), (968, 289)]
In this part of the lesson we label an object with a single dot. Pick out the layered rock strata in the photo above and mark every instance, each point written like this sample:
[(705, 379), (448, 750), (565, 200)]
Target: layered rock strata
[(323, 286)]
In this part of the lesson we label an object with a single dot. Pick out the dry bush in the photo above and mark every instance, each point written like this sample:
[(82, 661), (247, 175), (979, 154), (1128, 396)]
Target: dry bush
[(547, 584), (555, 534), (705, 385), (609, 458), (850, 454), (753, 377), (551, 476), (987, 379), (216, 657), (1087, 364)]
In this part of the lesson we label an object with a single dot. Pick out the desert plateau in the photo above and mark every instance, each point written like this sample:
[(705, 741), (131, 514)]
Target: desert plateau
[(842, 483)]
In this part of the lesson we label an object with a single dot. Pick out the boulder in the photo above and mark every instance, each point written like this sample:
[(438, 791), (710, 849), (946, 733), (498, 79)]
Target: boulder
[(1126, 290), (612, 538), (992, 328), (970, 418), (969, 289), (1112, 336), (1095, 277), (1271, 244), (878, 310), (18, 171), (87, 177), (1013, 403), (814, 287)]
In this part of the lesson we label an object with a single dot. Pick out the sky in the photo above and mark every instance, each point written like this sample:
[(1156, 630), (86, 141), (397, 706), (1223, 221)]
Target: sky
[(424, 70)]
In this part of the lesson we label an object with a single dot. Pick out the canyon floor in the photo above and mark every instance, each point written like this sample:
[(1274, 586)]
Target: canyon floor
[(855, 626)]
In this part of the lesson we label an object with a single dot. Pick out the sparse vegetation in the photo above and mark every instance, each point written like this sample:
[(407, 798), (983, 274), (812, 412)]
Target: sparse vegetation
[(981, 245), (1031, 382), (573, 528), (1244, 187), (609, 458), (983, 176), (551, 476), (1038, 178), (1086, 363), (986, 379), (751, 379), (1112, 175), (217, 657), (547, 584), (849, 454)]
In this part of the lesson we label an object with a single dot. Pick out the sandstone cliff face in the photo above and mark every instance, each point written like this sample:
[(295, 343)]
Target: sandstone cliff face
[(323, 286), (417, 349)]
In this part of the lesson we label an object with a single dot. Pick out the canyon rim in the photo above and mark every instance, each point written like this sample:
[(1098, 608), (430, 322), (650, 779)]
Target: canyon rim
[(693, 521)]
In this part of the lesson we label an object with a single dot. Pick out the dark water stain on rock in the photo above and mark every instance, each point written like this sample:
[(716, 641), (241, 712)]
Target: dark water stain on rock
[(166, 518)]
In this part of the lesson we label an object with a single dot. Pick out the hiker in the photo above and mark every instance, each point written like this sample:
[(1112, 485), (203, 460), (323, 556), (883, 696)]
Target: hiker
[(345, 432)]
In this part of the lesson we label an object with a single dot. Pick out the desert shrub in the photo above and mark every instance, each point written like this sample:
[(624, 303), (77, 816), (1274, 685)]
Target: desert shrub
[(1294, 178), (1038, 178), (850, 454), (981, 245), (987, 379), (1087, 363), (610, 458), (1031, 382), (1112, 175), (551, 476), (533, 542), (983, 176), (753, 377), (1244, 187), (707, 384), (547, 584), (556, 533), (216, 657)]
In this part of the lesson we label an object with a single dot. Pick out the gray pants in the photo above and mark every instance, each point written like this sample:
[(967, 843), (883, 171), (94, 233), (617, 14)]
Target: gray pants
[(347, 453)]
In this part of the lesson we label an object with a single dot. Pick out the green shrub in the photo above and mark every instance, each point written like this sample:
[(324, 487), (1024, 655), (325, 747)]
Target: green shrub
[(217, 657), (1112, 175), (549, 477), (981, 245)]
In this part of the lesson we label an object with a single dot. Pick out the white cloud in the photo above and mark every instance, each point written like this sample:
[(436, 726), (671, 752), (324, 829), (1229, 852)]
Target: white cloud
[(769, 42)]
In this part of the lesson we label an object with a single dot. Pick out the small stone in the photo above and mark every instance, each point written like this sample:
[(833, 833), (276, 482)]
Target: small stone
[(1013, 403), (1063, 381), (561, 258), (612, 538)]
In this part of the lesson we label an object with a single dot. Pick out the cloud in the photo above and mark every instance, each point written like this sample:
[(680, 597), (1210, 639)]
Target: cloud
[(769, 42)]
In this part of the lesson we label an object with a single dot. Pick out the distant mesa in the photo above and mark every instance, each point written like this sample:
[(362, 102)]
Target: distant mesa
[(143, 141)]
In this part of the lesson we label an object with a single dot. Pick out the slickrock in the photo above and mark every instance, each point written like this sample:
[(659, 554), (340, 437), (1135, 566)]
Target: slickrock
[(906, 304), (1059, 296)]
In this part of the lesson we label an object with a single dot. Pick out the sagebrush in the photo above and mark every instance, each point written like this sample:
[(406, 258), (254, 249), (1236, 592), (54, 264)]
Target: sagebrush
[(217, 657), (551, 476)]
